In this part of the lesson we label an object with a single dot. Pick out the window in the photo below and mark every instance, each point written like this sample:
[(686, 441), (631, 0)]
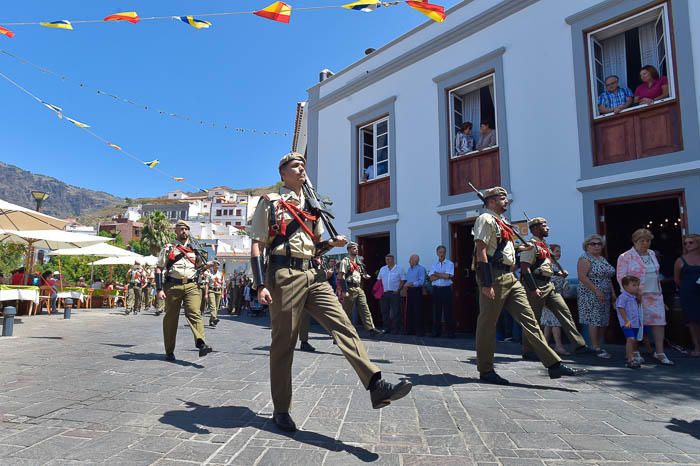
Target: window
[(238, 224), (374, 150), (228, 224), (238, 212), (474, 103), (218, 212), (621, 49)]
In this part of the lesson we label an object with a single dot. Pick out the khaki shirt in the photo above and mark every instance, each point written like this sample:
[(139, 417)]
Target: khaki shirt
[(486, 229), (530, 256), (183, 269), (355, 278), (300, 244), (135, 275), (215, 279)]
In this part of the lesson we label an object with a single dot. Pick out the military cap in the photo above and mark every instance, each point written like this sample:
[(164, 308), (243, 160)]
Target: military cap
[(286, 158), (137, 262), (182, 223), (215, 262), (495, 191), (536, 221), (351, 244)]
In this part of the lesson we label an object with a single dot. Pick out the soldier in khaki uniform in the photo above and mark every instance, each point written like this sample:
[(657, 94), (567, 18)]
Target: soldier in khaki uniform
[(495, 257), (176, 282), (216, 283), (148, 277), (352, 271), (291, 234), (537, 269), (134, 278)]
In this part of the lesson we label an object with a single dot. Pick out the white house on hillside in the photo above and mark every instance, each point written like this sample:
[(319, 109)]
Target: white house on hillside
[(381, 133)]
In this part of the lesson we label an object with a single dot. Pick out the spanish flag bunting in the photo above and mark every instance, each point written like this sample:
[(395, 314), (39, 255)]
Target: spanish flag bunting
[(194, 22), (278, 11), (434, 12), (55, 108), (178, 178), (62, 24), (364, 5), (78, 123), (6, 32), (130, 16), (152, 163), (114, 146)]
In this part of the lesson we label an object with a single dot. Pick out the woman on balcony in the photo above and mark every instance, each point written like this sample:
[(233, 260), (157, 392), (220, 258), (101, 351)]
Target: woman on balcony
[(652, 88)]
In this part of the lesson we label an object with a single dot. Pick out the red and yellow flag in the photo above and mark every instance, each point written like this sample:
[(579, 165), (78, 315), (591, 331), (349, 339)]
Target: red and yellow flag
[(278, 11), (434, 12), (178, 178), (6, 32), (130, 16)]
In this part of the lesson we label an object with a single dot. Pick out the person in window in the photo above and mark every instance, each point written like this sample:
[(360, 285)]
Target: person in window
[(652, 88), (614, 98), (464, 141), (369, 173), (488, 136)]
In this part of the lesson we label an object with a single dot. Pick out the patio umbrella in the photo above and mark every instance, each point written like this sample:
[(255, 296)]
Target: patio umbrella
[(14, 217), (50, 239), (102, 249), (150, 260), (123, 260)]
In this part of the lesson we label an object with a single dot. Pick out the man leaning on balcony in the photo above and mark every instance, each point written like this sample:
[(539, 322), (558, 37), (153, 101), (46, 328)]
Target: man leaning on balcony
[(614, 98)]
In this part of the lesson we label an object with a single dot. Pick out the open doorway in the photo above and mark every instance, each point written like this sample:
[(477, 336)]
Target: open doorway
[(464, 290), (373, 249)]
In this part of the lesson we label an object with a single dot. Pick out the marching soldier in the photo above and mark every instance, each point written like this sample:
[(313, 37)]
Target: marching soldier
[(216, 283), (352, 271), (203, 283), (148, 277), (134, 278), (176, 282), (291, 235), (499, 289), (537, 270)]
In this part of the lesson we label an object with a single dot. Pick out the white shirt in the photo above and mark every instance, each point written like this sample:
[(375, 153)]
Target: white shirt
[(650, 280), (445, 266), (391, 278)]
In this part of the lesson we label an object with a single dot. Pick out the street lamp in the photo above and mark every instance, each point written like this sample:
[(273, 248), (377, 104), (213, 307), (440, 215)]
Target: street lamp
[(39, 197)]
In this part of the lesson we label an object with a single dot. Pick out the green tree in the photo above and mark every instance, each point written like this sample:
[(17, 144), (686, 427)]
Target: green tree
[(12, 257), (139, 247), (156, 232)]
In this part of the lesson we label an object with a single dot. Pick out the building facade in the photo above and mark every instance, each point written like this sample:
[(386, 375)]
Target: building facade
[(382, 134)]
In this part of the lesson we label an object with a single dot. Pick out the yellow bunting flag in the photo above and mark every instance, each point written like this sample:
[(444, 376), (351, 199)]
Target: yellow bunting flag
[(130, 16), (152, 163), (278, 11), (434, 12), (78, 123), (6, 32), (62, 24), (194, 22), (55, 108), (364, 5), (114, 146), (178, 178)]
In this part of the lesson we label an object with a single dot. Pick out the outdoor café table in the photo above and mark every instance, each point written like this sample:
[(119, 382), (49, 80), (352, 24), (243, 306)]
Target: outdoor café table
[(105, 296), (20, 293), (73, 292)]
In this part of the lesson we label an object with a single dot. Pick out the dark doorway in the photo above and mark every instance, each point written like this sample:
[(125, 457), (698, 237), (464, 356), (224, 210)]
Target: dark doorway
[(373, 249), (465, 307)]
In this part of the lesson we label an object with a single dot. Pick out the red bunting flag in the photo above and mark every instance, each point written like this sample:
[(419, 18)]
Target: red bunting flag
[(130, 16), (434, 12), (278, 11), (6, 32)]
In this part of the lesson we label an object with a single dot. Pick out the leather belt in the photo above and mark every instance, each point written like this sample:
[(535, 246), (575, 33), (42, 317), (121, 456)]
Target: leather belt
[(291, 262), (353, 286), (214, 289), (178, 281)]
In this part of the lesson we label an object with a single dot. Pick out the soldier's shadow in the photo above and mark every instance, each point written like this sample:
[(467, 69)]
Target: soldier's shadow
[(198, 418), (446, 380), (130, 356)]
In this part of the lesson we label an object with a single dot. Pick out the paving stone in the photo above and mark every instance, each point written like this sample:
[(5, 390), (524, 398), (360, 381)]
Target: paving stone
[(192, 451)]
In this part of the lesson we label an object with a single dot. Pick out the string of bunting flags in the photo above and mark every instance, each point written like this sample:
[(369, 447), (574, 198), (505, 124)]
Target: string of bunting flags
[(277, 11), (58, 111), (142, 106)]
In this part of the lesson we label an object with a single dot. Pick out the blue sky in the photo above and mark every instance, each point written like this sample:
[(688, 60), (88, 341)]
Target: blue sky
[(245, 71)]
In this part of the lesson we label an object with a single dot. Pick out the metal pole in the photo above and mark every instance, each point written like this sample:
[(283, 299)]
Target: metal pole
[(8, 321), (68, 304)]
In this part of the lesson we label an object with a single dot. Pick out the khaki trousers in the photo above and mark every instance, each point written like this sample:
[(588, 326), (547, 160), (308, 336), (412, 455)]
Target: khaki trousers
[(214, 303), (133, 299), (555, 303), (190, 295), (146, 301), (511, 296), (357, 295), (295, 292)]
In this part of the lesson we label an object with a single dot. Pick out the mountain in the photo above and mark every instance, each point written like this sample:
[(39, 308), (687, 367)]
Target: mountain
[(64, 200)]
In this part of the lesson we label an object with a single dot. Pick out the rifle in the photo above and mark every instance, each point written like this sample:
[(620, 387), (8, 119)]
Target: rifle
[(320, 207), (515, 231), (562, 271), (200, 254)]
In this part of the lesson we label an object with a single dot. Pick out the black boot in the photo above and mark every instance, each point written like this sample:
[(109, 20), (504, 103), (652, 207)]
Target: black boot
[(383, 393), (170, 357), (558, 370), (284, 422), (204, 349), (493, 378), (306, 346)]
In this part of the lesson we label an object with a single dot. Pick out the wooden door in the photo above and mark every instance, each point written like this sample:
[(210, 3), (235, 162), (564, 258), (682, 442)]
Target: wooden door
[(373, 249), (464, 290)]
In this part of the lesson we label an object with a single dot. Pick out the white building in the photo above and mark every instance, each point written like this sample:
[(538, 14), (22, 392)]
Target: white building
[(381, 131)]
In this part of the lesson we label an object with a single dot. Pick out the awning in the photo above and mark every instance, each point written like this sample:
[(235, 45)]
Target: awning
[(50, 239), (14, 217), (102, 249)]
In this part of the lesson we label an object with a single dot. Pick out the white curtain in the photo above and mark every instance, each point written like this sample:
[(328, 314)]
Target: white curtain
[(472, 111), (647, 45), (615, 58)]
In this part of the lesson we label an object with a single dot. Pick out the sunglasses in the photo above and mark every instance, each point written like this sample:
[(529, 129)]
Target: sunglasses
[(595, 244), (688, 242)]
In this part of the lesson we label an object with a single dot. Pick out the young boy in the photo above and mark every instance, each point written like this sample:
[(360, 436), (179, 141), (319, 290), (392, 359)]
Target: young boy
[(628, 314)]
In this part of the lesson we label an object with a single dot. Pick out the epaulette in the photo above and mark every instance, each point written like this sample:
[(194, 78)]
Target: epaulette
[(272, 197)]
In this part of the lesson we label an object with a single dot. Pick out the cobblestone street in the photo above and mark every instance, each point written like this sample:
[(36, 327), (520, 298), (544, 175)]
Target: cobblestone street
[(95, 389)]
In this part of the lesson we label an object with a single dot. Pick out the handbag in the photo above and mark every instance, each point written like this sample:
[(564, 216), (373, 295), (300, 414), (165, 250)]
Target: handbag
[(378, 289)]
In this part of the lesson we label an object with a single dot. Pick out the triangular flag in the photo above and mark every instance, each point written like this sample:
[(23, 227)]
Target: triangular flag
[(434, 12), (152, 163), (78, 123), (130, 16), (6, 32), (364, 5), (55, 108), (178, 178), (194, 22), (114, 146), (278, 11), (61, 24)]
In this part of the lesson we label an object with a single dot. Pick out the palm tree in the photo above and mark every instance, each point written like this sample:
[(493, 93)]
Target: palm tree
[(156, 232)]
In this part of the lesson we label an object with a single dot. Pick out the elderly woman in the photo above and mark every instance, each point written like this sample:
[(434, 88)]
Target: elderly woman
[(652, 88), (595, 291), (640, 262), (686, 274)]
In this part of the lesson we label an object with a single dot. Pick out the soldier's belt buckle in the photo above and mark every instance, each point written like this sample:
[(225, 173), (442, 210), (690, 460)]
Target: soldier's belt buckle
[(275, 228)]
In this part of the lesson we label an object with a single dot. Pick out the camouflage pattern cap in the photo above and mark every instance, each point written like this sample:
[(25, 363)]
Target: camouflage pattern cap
[(351, 244), (495, 191), (286, 158), (182, 223), (536, 221)]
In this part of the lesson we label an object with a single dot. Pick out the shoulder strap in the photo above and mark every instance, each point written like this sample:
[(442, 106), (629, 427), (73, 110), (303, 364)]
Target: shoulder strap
[(684, 261)]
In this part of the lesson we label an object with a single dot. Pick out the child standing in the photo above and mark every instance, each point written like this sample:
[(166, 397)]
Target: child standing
[(630, 318)]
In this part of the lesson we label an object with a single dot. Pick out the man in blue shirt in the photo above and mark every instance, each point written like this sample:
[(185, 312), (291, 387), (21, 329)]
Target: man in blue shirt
[(415, 279), (441, 276), (614, 99)]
